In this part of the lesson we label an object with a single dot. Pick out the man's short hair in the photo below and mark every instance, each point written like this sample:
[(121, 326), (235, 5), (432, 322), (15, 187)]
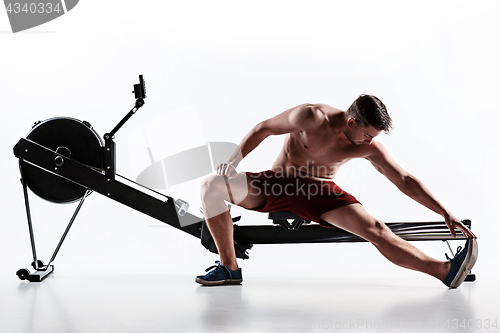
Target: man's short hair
[(369, 110)]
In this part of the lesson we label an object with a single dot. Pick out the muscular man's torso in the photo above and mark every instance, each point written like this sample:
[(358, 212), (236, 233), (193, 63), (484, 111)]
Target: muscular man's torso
[(321, 151)]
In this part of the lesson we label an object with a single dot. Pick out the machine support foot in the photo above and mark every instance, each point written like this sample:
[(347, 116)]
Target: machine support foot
[(41, 272)]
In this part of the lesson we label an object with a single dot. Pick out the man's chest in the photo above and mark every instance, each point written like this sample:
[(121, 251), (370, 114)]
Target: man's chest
[(324, 149)]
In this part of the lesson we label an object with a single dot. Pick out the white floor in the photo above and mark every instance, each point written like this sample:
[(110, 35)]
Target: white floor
[(126, 302)]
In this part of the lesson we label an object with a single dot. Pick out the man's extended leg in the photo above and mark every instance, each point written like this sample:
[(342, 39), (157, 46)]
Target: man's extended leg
[(355, 219), (214, 191)]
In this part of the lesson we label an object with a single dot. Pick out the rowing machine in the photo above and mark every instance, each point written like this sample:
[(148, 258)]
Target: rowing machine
[(63, 160)]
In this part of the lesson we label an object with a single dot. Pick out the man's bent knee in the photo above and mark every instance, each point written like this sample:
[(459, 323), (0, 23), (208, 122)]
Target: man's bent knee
[(213, 187)]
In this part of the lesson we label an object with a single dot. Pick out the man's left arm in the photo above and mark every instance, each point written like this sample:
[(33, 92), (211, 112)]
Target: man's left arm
[(412, 187)]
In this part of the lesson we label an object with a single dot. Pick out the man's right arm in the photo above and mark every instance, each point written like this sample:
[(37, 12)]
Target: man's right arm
[(295, 119)]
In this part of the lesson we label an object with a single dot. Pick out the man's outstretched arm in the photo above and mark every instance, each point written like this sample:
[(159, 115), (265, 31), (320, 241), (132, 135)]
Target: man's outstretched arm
[(412, 187), (293, 120)]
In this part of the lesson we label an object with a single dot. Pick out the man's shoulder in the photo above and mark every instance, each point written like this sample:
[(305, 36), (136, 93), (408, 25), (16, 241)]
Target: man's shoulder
[(328, 109), (330, 114), (374, 150)]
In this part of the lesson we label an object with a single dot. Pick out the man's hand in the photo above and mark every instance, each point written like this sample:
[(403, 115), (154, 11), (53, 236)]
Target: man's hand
[(452, 222), (227, 170)]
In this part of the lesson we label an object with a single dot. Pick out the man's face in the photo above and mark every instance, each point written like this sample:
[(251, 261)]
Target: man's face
[(359, 135)]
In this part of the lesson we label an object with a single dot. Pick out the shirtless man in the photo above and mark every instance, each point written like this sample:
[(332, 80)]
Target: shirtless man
[(319, 140)]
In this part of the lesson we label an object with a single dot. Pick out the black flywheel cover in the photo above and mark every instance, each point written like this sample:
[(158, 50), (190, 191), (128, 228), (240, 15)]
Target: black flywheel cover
[(68, 136)]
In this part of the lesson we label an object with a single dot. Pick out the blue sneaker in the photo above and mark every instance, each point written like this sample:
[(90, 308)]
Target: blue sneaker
[(461, 264), (219, 275)]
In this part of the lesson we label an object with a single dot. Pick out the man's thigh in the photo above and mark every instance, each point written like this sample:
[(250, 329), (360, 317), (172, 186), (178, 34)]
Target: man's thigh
[(355, 219), (242, 193)]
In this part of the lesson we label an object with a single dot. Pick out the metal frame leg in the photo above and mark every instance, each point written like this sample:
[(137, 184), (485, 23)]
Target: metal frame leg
[(42, 270), (30, 225), (87, 193)]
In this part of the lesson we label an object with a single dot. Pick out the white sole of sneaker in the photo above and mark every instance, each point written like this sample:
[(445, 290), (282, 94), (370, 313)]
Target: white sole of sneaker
[(467, 265), (218, 283)]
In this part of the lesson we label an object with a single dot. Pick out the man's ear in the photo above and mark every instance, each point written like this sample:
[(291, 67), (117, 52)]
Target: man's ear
[(351, 121)]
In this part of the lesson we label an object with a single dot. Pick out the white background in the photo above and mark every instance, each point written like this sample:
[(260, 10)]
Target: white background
[(433, 63)]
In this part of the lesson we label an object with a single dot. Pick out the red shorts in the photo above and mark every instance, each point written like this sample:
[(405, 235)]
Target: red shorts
[(302, 196)]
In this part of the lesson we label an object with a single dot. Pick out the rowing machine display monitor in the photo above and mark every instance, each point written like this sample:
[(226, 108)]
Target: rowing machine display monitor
[(63, 160), (140, 88)]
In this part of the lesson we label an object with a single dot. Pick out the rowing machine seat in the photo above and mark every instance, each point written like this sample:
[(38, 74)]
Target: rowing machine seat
[(284, 215), (282, 218)]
